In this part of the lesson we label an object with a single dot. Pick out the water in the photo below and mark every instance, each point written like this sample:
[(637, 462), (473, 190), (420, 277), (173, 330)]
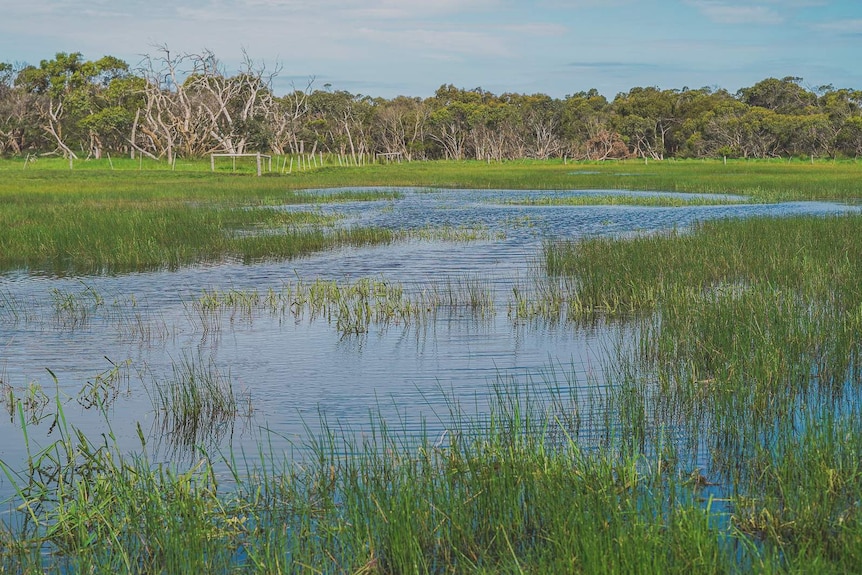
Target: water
[(288, 371)]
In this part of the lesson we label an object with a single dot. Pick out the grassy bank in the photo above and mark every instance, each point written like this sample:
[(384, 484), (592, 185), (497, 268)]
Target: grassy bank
[(94, 218)]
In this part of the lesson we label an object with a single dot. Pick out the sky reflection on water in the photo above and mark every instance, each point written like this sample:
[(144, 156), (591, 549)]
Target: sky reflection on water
[(291, 370)]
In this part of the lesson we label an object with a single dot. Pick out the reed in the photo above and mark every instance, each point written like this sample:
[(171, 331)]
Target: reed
[(198, 401), (498, 497), (352, 306), (96, 220), (650, 201)]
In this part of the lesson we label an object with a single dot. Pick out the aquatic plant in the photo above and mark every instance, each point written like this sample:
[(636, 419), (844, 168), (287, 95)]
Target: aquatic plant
[(199, 399)]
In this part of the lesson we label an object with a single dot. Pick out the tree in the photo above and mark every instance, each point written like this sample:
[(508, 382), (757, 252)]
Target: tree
[(69, 96), (645, 118), (785, 96), (401, 126)]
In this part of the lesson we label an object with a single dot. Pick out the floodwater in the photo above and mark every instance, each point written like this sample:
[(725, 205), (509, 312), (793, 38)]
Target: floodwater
[(290, 371)]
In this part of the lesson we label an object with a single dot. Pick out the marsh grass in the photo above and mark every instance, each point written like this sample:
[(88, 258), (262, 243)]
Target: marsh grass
[(352, 306), (104, 389), (509, 487), (196, 402), (649, 201), (725, 437), (744, 345), (452, 234), (102, 220), (499, 497), (802, 254), (96, 231)]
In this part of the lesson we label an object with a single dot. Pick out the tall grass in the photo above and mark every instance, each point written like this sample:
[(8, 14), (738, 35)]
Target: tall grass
[(499, 497), (351, 306), (745, 350), (198, 404), (98, 220)]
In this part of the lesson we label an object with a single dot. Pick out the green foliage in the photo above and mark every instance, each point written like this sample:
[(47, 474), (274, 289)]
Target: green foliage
[(188, 104)]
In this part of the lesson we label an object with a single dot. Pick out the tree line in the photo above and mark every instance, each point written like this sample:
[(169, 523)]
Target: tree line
[(187, 105)]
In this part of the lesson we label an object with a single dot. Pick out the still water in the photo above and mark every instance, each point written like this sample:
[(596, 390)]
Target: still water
[(290, 371)]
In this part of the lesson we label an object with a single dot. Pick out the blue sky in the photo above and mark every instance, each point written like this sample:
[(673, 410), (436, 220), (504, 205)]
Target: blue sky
[(410, 47)]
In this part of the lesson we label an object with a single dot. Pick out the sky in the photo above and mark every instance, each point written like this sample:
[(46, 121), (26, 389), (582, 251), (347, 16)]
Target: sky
[(386, 48)]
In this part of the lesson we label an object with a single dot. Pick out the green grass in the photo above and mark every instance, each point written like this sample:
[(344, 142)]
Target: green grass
[(744, 339), (351, 306), (662, 201), (724, 436), (198, 401), (95, 219), (498, 497)]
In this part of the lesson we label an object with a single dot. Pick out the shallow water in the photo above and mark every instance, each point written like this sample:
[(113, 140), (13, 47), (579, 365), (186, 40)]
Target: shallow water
[(291, 370)]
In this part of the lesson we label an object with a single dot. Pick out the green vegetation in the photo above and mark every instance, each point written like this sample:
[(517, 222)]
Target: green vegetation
[(664, 201), (351, 306), (77, 108), (99, 220), (723, 435), (196, 401), (110, 222)]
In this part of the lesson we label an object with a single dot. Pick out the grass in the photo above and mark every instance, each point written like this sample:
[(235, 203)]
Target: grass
[(725, 437), (649, 201), (507, 490), (498, 498), (744, 341), (196, 403), (351, 306), (96, 219)]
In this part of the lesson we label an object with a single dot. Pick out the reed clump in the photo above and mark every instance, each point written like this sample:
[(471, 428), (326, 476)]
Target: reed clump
[(352, 306), (196, 402), (498, 496), (742, 349)]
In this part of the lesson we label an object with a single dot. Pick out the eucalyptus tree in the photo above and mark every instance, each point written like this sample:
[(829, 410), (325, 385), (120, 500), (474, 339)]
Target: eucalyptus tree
[(18, 123), (849, 138), (401, 127), (286, 117), (194, 107), (540, 120), (719, 131), (784, 96), (840, 107), (586, 128), (70, 100), (645, 118), (452, 112), (493, 133), (341, 122)]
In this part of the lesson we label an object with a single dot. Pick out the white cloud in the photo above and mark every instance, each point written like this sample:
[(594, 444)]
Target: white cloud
[(436, 43), (385, 9), (536, 29), (842, 26), (736, 13)]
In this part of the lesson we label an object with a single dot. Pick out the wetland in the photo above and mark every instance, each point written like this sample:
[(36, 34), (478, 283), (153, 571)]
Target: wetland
[(436, 369)]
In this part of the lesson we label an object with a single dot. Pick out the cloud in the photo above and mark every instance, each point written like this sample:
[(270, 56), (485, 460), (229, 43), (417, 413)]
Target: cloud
[(735, 13), (536, 29), (379, 9), (843, 27), (440, 44), (609, 65)]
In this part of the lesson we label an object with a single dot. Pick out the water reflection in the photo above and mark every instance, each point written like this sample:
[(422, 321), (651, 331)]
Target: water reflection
[(294, 367)]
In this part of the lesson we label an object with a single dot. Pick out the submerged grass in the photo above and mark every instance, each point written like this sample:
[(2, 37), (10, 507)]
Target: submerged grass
[(500, 497), (651, 201), (196, 402), (744, 345), (352, 306)]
